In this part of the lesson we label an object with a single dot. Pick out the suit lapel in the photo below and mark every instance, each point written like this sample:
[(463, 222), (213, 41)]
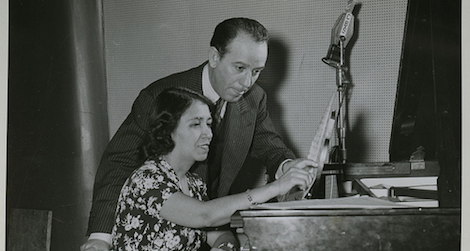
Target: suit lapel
[(238, 136), (237, 142)]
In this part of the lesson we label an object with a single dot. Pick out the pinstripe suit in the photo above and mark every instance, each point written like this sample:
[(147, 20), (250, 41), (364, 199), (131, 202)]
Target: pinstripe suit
[(249, 131)]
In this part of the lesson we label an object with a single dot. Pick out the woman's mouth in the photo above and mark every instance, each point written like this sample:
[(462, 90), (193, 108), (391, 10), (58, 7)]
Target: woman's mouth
[(205, 147)]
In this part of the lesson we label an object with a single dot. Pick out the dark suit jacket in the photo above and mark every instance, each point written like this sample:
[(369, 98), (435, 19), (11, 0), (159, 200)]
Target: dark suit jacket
[(249, 131)]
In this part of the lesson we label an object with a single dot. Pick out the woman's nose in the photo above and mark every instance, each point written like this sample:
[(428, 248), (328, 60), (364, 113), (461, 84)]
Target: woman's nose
[(208, 131)]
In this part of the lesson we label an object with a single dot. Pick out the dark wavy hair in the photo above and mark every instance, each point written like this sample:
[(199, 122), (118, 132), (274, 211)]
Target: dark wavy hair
[(227, 30), (169, 105)]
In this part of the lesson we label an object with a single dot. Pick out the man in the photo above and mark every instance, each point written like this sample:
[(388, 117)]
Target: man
[(237, 55)]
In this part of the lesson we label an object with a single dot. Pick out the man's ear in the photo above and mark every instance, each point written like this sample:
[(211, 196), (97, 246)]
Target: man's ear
[(214, 57)]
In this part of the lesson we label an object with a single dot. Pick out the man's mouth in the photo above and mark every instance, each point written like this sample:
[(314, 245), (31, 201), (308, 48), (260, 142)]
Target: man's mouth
[(239, 93)]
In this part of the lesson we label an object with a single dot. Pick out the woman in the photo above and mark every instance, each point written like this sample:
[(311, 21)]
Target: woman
[(162, 205)]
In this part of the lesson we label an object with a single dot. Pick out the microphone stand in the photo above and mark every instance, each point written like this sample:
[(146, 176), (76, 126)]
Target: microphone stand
[(335, 58), (342, 84), (341, 33)]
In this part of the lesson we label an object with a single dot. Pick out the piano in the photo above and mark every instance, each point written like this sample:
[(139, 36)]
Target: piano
[(427, 114), (350, 229)]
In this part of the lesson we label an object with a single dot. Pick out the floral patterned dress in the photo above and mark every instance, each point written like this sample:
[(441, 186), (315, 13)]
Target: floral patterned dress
[(139, 225)]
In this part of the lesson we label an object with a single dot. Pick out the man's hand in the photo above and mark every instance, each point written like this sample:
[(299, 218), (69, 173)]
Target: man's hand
[(95, 245), (301, 163)]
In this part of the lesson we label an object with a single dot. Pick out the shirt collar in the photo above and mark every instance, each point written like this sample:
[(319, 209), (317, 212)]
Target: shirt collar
[(207, 89)]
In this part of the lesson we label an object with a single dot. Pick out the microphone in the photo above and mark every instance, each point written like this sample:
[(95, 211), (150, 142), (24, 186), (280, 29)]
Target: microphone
[(342, 30)]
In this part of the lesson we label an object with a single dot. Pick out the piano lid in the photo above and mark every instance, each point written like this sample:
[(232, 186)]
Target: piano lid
[(429, 82), (428, 102)]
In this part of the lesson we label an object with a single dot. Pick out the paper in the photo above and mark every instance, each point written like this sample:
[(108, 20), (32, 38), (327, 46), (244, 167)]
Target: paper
[(318, 151), (363, 202)]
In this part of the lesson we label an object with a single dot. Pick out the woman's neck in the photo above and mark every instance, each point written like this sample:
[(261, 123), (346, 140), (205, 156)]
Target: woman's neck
[(179, 165)]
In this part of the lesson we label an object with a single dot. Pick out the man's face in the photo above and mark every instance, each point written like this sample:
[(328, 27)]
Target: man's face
[(235, 73)]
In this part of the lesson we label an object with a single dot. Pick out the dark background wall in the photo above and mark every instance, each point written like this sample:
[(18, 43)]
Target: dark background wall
[(57, 119)]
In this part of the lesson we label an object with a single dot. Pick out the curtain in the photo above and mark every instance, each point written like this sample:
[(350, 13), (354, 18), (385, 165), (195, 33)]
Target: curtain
[(57, 111)]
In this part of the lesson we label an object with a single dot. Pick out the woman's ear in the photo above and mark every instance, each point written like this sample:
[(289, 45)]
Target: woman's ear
[(214, 57), (172, 136)]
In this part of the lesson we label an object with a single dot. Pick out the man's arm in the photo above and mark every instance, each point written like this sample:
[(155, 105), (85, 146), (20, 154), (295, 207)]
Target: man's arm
[(267, 146), (119, 160)]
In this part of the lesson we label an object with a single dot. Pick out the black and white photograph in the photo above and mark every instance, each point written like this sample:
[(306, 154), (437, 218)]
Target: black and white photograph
[(246, 125)]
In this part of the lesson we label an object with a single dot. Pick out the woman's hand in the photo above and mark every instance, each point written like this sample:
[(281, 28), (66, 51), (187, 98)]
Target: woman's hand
[(295, 176), (302, 163)]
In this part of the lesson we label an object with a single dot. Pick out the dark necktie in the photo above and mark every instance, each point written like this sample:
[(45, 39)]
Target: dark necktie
[(215, 153), (217, 113)]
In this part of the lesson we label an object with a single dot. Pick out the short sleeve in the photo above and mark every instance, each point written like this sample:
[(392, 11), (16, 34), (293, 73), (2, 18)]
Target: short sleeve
[(198, 187), (150, 186)]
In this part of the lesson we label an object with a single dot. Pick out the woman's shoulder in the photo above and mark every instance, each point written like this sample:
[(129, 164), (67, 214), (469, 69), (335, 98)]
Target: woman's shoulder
[(156, 167), (195, 176), (153, 174), (149, 166), (197, 181)]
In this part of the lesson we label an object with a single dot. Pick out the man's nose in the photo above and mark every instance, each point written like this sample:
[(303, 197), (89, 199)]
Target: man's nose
[(247, 79)]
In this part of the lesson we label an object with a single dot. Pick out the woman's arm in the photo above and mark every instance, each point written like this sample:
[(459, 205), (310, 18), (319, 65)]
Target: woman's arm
[(186, 211)]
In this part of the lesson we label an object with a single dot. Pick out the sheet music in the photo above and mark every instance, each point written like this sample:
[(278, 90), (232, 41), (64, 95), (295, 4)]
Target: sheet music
[(318, 150), (324, 130), (364, 202)]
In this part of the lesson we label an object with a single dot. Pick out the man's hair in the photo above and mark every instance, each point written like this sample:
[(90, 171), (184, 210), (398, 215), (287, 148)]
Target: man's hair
[(227, 30), (169, 106)]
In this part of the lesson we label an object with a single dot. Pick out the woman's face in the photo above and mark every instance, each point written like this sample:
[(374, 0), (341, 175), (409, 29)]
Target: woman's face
[(193, 133)]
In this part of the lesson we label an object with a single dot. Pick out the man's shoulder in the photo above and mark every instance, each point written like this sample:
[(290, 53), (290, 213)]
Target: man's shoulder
[(184, 78), (256, 92)]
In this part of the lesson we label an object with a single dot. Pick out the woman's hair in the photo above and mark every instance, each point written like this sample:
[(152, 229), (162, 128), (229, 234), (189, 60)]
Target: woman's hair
[(227, 30), (169, 106)]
